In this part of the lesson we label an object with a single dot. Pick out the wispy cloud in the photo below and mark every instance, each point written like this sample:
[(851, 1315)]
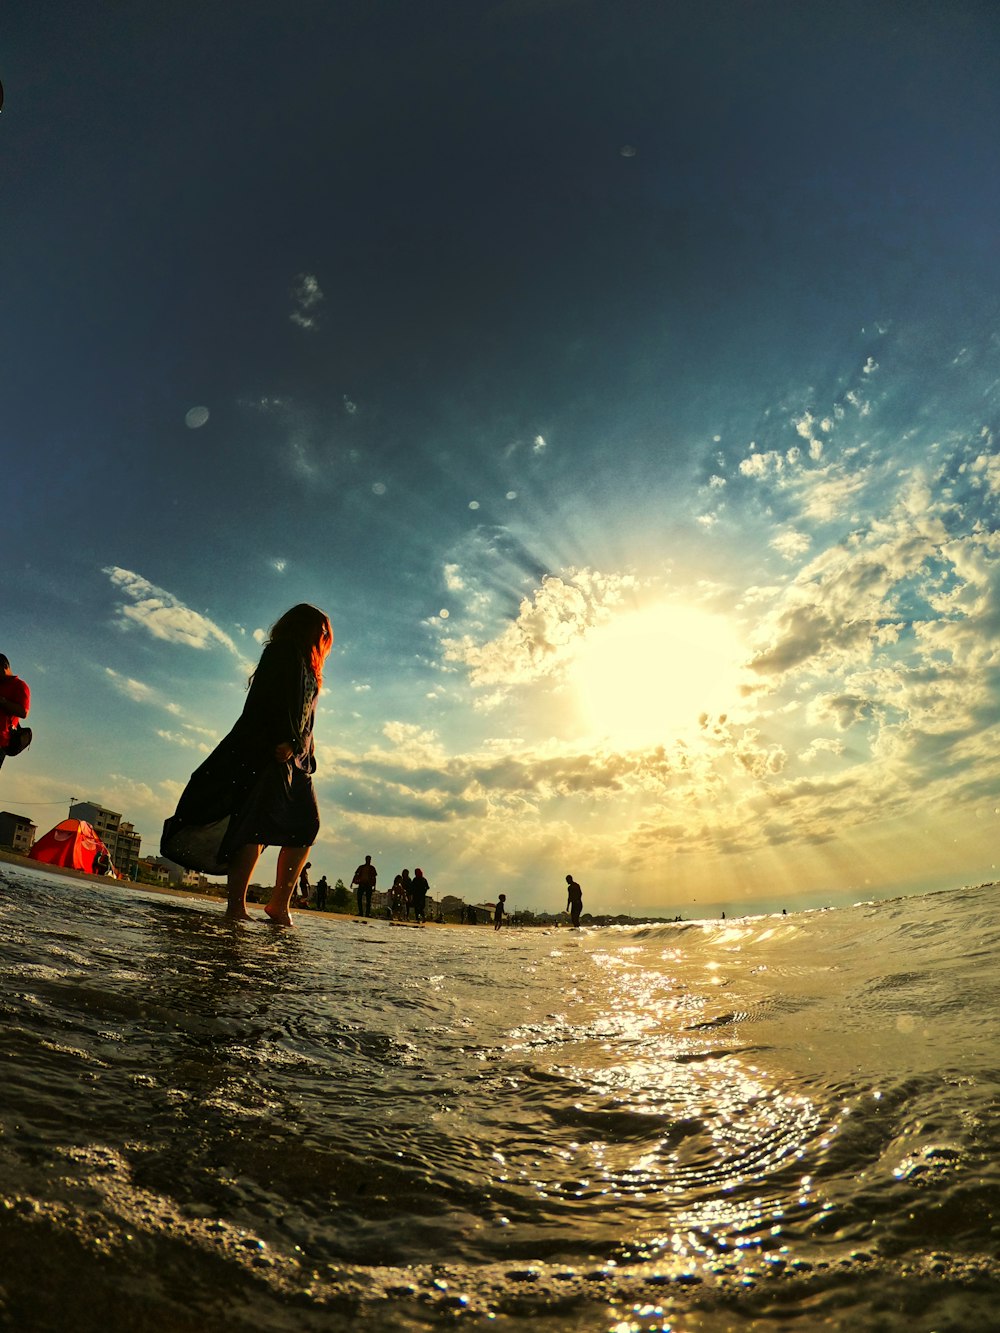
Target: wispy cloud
[(190, 735), (163, 615), (545, 632), (185, 740), (790, 543), (132, 689)]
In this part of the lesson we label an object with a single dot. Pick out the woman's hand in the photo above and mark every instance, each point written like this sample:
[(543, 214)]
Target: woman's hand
[(283, 752)]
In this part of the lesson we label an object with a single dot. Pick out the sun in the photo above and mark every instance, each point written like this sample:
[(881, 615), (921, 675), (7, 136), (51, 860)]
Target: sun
[(646, 677)]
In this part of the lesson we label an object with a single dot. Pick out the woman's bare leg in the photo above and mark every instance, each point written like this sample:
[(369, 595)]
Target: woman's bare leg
[(290, 863), (241, 867)]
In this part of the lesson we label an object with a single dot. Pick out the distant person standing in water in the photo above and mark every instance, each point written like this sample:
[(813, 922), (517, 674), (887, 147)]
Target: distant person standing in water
[(419, 889), (255, 790), (322, 889), (15, 701), (574, 901), (498, 911), (397, 900), (364, 881), (304, 885)]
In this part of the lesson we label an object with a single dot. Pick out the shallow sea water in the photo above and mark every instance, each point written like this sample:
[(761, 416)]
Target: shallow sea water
[(774, 1123)]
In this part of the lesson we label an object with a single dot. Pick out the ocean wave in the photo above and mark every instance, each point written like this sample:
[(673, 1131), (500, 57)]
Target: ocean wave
[(773, 1123)]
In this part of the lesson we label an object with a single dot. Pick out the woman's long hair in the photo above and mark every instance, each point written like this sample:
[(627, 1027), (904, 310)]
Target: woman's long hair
[(308, 629)]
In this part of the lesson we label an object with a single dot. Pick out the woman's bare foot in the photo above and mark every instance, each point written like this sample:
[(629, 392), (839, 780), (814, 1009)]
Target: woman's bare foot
[(235, 914), (277, 917)]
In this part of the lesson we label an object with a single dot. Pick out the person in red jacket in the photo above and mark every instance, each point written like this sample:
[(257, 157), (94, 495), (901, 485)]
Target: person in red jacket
[(15, 701)]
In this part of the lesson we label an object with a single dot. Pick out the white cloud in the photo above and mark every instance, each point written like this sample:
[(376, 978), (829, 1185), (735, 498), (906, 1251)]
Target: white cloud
[(418, 745), (163, 615), (985, 470), (845, 709), (139, 692), (821, 745), (790, 543), (759, 760), (762, 464), (825, 492), (545, 632), (132, 689), (188, 742), (804, 425)]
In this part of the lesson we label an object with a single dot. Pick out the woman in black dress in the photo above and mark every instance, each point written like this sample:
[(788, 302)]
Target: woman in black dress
[(255, 789)]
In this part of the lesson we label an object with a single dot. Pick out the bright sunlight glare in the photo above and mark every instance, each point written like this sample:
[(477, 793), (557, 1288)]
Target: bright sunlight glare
[(647, 676)]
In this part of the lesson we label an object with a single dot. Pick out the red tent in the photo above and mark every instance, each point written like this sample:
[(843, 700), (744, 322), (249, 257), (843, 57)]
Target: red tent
[(71, 843)]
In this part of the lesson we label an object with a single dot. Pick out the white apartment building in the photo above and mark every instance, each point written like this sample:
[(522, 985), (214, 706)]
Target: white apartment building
[(117, 834)]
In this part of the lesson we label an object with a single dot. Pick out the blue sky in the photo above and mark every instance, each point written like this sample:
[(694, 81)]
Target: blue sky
[(623, 380)]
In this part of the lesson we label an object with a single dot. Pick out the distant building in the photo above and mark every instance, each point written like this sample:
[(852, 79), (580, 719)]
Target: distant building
[(16, 832), (126, 853), (117, 834), (178, 876), (152, 872)]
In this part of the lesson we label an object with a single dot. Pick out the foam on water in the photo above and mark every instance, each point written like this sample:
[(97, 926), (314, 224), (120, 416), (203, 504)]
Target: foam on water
[(781, 1122)]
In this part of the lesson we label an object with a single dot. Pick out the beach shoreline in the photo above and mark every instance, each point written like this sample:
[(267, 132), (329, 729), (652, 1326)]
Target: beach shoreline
[(170, 891)]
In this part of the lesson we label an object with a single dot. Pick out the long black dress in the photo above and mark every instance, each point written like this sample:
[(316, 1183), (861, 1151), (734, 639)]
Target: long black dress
[(241, 794)]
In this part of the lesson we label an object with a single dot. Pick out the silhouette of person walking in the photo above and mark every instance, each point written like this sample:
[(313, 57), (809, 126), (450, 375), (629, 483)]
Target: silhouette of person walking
[(304, 885), (574, 901), (498, 911), (364, 881), (419, 889), (397, 900)]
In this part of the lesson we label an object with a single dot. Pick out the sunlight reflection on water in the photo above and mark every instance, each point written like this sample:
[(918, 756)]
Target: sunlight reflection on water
[(676, 1104)]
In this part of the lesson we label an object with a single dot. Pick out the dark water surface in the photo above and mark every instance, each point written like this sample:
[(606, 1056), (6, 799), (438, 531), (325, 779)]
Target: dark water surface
[(778, 1123)]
